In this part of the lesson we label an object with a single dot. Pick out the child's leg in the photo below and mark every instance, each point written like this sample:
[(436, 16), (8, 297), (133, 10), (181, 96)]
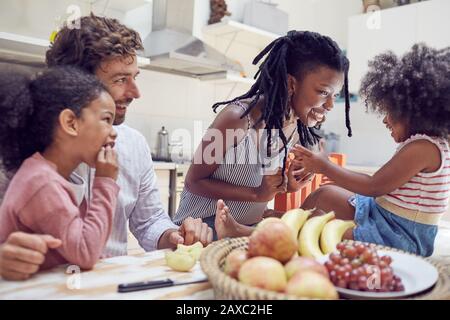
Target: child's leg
[(225, 224), (332, 198)]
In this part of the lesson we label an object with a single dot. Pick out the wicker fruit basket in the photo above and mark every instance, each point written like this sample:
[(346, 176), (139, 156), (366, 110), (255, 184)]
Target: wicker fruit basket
[(213, 259)]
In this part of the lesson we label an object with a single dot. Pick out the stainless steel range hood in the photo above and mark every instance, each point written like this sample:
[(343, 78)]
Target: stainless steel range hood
[(24, 50), (172, 48)]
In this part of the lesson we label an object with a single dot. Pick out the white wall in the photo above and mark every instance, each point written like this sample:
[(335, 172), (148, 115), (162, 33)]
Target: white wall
[(177, 103), (38, 18), (35, 18), (399, 28), (328, 17), (371, 143)]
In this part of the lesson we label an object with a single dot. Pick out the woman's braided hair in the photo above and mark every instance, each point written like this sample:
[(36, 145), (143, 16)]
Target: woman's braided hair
[(296, 54)]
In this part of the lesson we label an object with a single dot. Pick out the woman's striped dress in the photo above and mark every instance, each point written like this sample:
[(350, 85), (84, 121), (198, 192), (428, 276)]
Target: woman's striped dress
[(241, 167)]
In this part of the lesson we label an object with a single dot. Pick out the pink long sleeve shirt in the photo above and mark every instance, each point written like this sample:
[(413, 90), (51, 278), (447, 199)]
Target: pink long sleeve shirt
[(39, 200)]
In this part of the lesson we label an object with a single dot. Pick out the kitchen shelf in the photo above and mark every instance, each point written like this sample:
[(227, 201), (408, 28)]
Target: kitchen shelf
[(22, 49), (142, 61), (239, 32), (228, 78), (18, 48), (162, 165), (239, 42), (119, 5)]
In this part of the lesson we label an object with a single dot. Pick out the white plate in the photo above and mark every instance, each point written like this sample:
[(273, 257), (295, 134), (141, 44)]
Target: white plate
[(417, 275)]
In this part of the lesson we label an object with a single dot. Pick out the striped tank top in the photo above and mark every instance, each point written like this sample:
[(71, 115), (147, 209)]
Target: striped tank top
[(241, 166), (427, 193)]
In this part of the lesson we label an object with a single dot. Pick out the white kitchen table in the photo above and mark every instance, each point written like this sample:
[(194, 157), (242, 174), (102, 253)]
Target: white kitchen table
[(101, 282)]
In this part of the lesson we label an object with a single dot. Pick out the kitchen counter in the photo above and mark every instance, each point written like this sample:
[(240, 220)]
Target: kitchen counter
[(102, 281), (170, 177), (161, 165)]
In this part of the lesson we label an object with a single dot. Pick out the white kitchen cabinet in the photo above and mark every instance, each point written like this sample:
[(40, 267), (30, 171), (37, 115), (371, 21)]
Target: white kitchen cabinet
[(162, 171), (163, 177)]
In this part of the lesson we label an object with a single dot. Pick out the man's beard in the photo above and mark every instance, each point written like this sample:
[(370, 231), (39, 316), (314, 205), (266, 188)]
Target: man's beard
[(118, 120), (123, 107)]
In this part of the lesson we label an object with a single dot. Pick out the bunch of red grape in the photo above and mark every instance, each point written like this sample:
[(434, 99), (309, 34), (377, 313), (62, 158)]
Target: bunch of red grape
[(358, 267)]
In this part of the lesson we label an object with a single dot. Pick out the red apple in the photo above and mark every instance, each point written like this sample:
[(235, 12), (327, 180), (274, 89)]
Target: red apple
[(272, 239), (311, 284), (298, 264), (234, 261), (263, 272)]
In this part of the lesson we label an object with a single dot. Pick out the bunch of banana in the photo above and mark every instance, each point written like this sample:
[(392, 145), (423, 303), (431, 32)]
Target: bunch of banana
[(295, 219), (308, 239), (320, 235), (332, 234), (185, 257), (316, 236)]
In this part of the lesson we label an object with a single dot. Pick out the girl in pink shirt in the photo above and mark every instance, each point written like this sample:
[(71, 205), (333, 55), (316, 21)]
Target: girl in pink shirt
[(49, 125)]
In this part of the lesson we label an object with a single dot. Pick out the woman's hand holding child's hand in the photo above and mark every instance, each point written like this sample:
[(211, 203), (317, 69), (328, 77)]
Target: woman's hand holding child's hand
[(309, 160), (297, 176), (107, 165), (270, 186)]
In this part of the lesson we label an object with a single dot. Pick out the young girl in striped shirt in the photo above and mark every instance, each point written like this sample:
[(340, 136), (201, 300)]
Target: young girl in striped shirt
[(401, 204)]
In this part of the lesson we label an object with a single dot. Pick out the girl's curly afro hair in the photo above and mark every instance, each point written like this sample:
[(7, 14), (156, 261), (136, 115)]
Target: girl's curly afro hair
[(413, 89)]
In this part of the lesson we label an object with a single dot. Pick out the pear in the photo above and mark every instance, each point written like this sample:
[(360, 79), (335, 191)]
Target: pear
[(264, 273), (195, 249), (180, 261), (311, 284)]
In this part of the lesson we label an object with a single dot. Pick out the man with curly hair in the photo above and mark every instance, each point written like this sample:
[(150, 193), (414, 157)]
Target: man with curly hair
[(107, 48)]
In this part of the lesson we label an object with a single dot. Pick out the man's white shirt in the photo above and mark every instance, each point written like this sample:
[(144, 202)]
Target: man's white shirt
[(139, 202)]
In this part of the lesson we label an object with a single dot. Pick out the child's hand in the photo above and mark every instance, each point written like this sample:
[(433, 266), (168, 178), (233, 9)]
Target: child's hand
[(310, 161), (107, 165), (297, 176), (270, 186)]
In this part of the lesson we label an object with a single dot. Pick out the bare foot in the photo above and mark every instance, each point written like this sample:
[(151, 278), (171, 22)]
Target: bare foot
[(225, 224)]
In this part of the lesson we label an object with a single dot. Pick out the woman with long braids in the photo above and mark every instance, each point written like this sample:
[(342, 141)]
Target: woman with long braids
[(295, 87)]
